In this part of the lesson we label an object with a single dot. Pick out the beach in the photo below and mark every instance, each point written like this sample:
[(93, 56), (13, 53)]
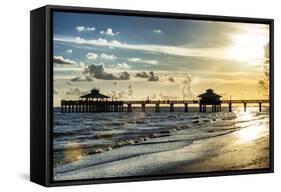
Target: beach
[(250, 154), (139, 144)]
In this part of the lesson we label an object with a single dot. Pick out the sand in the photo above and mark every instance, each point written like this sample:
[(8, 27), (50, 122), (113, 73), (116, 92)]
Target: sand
[(237, 154)]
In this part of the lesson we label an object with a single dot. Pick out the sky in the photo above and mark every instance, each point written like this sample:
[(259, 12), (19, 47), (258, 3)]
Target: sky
[(132, 58)]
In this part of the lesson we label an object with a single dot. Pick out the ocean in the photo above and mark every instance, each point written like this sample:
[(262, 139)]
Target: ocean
[(104, 145)]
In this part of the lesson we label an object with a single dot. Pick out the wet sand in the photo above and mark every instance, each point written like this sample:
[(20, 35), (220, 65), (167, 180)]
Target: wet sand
[(240, 151)]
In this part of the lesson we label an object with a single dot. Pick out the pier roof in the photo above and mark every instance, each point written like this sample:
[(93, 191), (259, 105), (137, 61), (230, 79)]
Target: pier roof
[(209, 93), (95, 93)]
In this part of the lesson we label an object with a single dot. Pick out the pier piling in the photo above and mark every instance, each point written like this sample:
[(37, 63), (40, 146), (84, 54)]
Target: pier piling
[(157, 108), (129, 107), (92, 106), (143, 107), (172, 107), (185, 107)]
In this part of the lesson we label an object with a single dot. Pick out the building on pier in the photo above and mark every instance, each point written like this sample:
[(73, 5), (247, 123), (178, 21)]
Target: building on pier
[(94, 95), (209, 98), (91, 102)]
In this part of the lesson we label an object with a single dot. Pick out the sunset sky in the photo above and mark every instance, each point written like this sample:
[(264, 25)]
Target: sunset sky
[(136, 57)]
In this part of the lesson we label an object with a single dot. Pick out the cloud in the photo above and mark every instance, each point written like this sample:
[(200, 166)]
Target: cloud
[(157, 31), (218, 53), (124, 76), (107, 56), (153, 77), (171, 79), (187, 91), (150, 77), (142, 75), (264, 82), (109, 32), (97, 71), (83, 28), (130, 90), (92, 56), (139, 60), (81, 78), (99, 41), (121, 66), (69, 50), (63, 61), (55, 91), (123, 94), (74, 92)]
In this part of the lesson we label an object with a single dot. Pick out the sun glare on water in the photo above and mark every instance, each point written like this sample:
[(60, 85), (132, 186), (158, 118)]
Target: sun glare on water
[(250, 131), (73, 152)]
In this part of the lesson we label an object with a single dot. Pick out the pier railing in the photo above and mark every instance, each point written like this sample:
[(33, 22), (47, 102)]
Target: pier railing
[(118, 106)]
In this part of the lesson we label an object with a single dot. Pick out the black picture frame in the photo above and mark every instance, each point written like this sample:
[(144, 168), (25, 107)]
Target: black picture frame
[(41, 83)]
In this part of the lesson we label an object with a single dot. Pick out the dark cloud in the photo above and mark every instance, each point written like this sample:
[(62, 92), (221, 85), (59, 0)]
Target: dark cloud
[(153, 77), (98, 72), (124, 76), (62, 61), (81, 78), (171, 79), (149, 76), (68, 83), (142, 75)]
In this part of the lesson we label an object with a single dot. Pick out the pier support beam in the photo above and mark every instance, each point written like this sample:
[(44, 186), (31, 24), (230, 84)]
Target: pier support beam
[(172, 107), (200, 108), (245, 107), (129, 107), (115, 108), (260, 106), (230, 107), (157, 107), (185, 107), (204, 108), (143, 107)]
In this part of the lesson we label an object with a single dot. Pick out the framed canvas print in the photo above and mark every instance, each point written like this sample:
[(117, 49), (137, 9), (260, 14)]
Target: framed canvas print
[(119, 95)]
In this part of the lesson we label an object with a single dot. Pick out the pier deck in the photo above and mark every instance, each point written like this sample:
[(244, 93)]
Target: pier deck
[(80, 106)]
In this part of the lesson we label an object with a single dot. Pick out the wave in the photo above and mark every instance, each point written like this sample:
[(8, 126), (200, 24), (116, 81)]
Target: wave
[(98, 135)]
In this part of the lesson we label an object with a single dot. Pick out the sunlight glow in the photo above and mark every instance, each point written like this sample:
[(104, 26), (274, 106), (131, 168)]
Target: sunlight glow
[(247, 47), (73, 152), (250, 131), (249, 134)]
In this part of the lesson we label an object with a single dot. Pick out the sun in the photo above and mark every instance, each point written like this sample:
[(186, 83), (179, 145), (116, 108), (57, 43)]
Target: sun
[(247, 47)]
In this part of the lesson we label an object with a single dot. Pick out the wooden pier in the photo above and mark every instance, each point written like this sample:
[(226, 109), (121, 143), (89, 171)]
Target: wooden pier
[(81, 106), (88, 106), (95, 102)]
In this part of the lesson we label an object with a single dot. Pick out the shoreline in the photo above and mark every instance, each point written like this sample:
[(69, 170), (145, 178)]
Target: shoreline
[(239, 147), (253, 154)]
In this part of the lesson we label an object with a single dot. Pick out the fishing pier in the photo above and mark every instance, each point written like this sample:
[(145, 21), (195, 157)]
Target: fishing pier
[(95, 102)]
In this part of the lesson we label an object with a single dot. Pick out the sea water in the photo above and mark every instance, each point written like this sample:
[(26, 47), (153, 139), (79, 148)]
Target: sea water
[(101, 145)]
